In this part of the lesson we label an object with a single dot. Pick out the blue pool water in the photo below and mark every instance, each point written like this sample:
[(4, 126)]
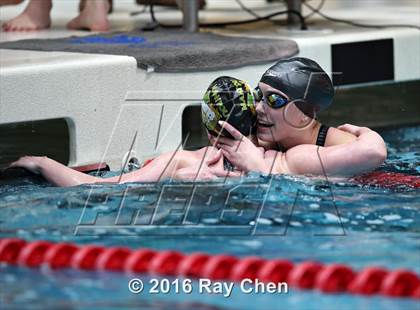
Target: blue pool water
[(296, 218)]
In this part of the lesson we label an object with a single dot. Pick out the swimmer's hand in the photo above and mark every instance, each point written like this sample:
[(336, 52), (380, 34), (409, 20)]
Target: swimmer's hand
[(30, 163), (215, 158), (240, 151), (375, 146), (54, 172)]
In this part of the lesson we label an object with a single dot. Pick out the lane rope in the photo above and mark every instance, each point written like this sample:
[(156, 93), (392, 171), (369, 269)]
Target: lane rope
[(326, 278)]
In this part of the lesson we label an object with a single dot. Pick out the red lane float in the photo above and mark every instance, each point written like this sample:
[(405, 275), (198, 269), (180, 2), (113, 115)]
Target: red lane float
[(192, 265), (400, 283), (32, 254), (112, 259), (86, 257), (276, 271), (389, 179), (139, 261), (60, 255), (368, 281), (334, 278), (10, 249), (304, 275), (247, 268), (165, 263), (330, 278), (218, 267)]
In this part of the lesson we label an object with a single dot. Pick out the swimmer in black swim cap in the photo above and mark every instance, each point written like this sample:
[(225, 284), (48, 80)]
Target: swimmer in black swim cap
[(303, 81), (291, 93), (289, 96)]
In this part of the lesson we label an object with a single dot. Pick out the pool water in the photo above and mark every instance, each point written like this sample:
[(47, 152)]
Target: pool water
[(296, 218)]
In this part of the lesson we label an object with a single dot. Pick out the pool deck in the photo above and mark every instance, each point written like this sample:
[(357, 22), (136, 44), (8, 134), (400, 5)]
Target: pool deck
[(107, 99)]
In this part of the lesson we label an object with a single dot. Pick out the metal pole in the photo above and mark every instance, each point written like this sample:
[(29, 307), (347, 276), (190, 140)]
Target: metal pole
[(295, 5), (190, 15)]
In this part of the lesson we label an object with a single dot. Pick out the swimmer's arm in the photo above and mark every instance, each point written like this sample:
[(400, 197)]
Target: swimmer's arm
[(61, 175), (366, 153), (337, 136), (164, 166), (54, 172)]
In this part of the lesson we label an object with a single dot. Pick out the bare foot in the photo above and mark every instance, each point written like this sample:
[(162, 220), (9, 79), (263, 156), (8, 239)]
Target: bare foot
[(36, 16), (93, 17)]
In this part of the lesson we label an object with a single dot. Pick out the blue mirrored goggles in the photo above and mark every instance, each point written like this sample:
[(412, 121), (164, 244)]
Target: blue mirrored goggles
[(274, 101)]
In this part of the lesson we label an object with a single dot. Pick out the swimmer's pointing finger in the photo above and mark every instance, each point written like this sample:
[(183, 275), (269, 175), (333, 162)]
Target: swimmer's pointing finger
[(216, 141), (232, 130), (226, 141)]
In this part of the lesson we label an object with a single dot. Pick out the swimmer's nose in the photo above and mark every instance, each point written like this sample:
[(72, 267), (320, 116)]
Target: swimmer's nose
[(259, 107)]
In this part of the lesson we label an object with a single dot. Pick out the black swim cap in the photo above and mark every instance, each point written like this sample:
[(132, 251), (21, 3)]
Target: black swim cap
[(231, 100), (303, 81)]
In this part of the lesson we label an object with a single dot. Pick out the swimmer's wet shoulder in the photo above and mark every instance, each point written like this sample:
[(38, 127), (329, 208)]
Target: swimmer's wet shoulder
[(336, 136)]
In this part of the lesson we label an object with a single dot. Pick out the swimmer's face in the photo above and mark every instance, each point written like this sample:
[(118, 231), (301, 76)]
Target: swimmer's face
[(274, 125)]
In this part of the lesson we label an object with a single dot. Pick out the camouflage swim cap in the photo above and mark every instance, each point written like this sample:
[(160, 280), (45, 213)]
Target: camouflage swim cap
[(231, 100)]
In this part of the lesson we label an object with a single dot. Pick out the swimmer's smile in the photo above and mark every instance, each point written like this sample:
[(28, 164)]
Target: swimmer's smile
[(264, 124)]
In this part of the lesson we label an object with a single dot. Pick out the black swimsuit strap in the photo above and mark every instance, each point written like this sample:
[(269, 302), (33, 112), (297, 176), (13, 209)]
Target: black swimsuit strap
[(322, 135)]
